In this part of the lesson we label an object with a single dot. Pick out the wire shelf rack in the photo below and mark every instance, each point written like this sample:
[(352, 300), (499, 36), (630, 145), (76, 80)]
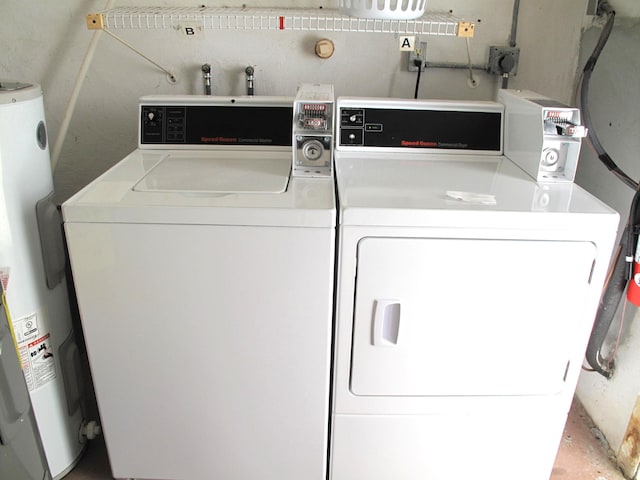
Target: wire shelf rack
[(319, 20)]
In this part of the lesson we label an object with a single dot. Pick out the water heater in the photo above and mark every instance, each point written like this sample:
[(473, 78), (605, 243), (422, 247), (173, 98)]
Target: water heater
[(32, 274)]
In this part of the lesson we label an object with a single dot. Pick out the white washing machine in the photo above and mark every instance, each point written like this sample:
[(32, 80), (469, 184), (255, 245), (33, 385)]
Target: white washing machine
[(466, 293), (204, 277)]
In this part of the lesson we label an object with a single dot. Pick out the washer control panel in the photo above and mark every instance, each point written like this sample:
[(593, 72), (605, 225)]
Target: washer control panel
[(179, 122)]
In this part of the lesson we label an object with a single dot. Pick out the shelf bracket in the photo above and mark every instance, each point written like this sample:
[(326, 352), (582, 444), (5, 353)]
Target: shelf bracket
[(171, 77), (466, 29), (95, 21)]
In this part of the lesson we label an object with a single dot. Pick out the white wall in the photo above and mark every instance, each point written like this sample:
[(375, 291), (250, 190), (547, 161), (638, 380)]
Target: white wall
[(626, 8), (614, 106), (45, 42)]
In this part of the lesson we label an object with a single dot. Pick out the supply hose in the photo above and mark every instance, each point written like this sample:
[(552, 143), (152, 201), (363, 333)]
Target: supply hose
[(249, 71), (206, 75)]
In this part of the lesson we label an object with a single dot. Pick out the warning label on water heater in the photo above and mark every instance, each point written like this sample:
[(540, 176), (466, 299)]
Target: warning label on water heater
[(26, 328), (36, 351), (37, 362)]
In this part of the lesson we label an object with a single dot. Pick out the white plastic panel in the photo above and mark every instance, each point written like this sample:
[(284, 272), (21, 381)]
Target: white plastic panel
[(209, 346), (473, 444), (478, 317)]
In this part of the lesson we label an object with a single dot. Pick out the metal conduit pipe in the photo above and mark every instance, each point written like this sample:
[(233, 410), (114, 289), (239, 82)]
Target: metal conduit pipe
[(460, 66), (512, 36)]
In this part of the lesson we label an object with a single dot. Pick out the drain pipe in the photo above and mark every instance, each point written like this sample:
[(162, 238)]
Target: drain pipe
[(77, 86)]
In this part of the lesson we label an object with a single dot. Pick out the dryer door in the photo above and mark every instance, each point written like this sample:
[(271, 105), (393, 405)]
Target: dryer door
[(438, 316)]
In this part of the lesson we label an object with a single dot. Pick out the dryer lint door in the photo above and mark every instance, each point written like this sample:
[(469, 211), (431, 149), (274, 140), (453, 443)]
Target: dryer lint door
[(438, 316)]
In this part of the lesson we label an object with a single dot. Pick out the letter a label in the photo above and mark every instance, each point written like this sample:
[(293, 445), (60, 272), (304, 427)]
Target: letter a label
[(407, 43)]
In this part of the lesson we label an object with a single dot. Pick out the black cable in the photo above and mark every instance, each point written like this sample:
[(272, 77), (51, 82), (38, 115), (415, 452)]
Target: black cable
[(418, 63), (603, 156), (632, 228)]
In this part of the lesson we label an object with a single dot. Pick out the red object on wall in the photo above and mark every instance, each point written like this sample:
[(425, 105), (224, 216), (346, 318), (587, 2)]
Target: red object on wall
[(633, 289)]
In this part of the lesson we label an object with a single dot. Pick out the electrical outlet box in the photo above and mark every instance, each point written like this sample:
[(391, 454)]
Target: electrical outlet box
[(503, 60), (419, 53)]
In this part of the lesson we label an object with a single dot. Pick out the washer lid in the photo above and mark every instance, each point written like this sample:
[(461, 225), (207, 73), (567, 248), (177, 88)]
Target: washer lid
[(228, 172), (126, 193)]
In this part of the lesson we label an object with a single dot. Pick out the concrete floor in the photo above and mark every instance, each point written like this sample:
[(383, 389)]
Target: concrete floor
[(583, 454)]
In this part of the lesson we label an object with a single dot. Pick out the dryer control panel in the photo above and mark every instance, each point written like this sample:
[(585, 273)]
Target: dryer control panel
[(443, 126)]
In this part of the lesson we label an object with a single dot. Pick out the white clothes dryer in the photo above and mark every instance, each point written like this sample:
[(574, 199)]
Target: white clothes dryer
[(465, 296), (204, 278)]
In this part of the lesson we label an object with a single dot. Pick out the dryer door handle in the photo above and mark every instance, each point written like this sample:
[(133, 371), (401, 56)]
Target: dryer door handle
[(386, 322)]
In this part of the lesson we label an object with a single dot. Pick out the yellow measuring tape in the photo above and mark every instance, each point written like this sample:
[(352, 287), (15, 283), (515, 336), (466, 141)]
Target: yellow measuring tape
[(13, 334)]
